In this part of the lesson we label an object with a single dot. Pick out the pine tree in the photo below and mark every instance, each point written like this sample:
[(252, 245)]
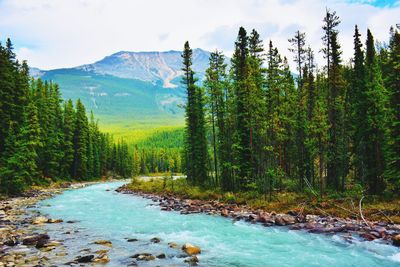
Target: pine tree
[(215, 85), (68, 129), (336, 95), (256, 106), (298, 48), (319, 128), (7, 85), (80, 165), (241, 84), (93, 148), (336, 117), (392, 80), (195, 143), (299, 51), (52, 153), (20, 162), (375, 112), (357, 96)]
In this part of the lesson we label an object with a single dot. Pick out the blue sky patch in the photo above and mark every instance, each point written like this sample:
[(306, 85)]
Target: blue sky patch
[(377, 3)]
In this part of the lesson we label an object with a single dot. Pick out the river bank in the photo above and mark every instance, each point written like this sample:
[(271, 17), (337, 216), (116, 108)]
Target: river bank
[(349, 229), (23, 240), (95, 224)]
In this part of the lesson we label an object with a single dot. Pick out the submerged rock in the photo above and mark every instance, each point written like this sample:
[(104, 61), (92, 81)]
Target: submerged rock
[(173, 245), (132, 240), (161, 256), (103, 242), (84, 259), (144, 257), (55, 221), (40, 220), (101, 251), (192, 260), (191, 249), (368, 236), (155, 240), (102, 258)]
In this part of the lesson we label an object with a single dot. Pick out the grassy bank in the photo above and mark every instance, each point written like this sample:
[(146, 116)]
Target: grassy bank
[(374, 209)]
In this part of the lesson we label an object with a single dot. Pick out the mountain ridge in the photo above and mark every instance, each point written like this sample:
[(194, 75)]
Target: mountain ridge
[(128, 89), (150, 66)]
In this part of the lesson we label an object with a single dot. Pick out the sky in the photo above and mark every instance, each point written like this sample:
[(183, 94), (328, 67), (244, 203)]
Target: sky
[(67, 33)]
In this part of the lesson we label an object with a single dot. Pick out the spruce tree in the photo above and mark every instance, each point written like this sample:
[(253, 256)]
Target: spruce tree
[(298, 49), (392, 80), (357, 96), (195, 143), (336, 114), (256, 106), (80, 164), (242, 96), (68, 129), (374, 133), (215, 85), (20, 162), (336, 95), (7, 86)]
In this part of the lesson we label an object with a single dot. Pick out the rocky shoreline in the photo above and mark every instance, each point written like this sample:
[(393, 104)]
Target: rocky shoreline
[(23, 242), (349, 229)]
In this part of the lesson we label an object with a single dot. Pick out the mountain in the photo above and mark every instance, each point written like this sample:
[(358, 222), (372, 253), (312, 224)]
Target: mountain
[(129, 90), (148, 66)]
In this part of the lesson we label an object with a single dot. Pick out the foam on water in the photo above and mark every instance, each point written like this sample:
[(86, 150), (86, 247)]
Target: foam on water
[(109, 215)]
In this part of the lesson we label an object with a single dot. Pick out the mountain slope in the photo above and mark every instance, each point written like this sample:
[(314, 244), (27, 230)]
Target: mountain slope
[(148, 66), (129, 90)]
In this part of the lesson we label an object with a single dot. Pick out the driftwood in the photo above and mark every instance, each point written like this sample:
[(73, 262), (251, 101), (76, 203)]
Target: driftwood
[(343, 208), (384, 214), (361, 214)]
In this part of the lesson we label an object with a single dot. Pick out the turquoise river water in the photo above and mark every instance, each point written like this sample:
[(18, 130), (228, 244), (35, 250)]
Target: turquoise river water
[(102, 213)]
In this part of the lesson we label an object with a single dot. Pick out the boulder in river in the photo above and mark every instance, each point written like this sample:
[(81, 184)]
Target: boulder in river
[(193, 260), (284, 219), (84, 259), (155, 240), (368, 236), (40, 220), (102, 258), (161, 256), (173, 245), (35, 239), (144, 257), (103, 242), (55, 221), (396, 240), (11, 241), (191, 249), (225, 213)]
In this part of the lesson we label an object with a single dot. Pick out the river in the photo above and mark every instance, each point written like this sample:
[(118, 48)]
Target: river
[(102, 213)]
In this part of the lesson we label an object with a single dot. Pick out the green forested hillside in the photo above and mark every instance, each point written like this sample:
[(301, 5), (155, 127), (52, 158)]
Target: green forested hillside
[(332, 129), (120, 102), (43, 138)]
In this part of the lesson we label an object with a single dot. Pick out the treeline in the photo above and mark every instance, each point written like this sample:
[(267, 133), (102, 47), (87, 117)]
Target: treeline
[(159, 153), (253, 126), (156, 160), (44, 139)]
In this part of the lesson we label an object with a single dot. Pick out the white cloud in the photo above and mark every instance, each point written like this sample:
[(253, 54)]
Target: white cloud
[(66, 33)]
